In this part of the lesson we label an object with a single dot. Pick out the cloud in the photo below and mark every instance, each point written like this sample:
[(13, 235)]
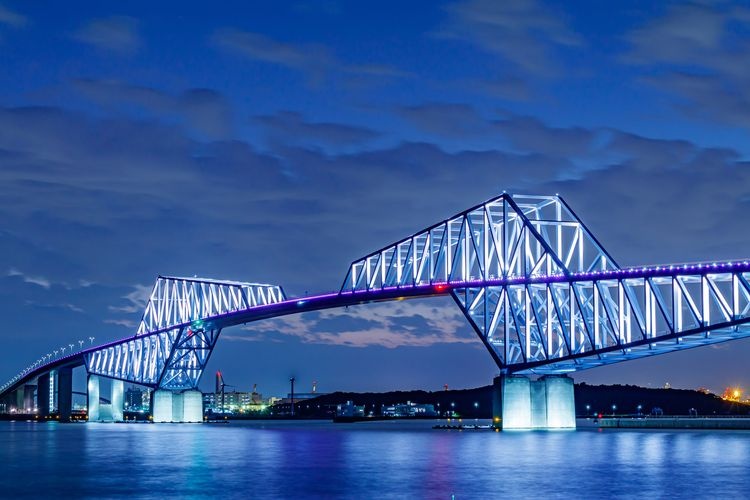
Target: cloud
[(202, 110), (122, 322), (136, 300), (510, 88), (316, 61), (528, 134), (288, 127), (12, 19), (311, 58), (445, 119), (523, 134), (65, 306), (143, 205), (391, 325), (117, 34), (523, 33), (696, 53), (34, 280)]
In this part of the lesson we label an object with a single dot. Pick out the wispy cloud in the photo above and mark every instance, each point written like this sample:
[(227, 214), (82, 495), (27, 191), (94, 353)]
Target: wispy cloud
[(117, 34), (696, 53), (66, 306), (10, 18), (121, 322), (136, 300), (391, 325), (202, 110), (289, 127), (314, 60), (525, 33), (34, 280)]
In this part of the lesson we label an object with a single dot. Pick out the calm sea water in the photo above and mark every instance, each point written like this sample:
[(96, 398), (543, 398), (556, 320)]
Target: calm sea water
[(365, 460)]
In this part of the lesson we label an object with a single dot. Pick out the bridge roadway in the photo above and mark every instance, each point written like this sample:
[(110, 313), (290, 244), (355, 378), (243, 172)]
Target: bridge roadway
[(299, 305)]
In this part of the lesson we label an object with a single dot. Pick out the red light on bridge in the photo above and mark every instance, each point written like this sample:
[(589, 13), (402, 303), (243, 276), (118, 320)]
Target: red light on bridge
[(441, 288)]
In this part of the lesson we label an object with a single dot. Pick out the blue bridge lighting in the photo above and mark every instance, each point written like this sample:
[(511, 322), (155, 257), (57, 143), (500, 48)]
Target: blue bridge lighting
[(533, 282)]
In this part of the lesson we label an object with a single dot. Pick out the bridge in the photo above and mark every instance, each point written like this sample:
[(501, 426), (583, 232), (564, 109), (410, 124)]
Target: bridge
[(536, 286)]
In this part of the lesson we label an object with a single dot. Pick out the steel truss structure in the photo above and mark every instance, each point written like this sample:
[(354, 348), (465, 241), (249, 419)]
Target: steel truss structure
[(176, 301), (545, 297), (173, 344), (534, 283)]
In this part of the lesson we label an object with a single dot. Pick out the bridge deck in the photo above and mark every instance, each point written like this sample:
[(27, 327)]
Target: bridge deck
[(733, 328)]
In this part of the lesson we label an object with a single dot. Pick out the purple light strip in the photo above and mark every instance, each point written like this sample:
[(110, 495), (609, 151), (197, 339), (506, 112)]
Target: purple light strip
[(443, 288)]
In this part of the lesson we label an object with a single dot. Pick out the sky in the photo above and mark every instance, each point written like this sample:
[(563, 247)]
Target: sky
[(276, 142)]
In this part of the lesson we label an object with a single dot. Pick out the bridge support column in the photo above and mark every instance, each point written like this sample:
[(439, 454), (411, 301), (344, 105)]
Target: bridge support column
[(19, 400), (178, 404), (192, 406), (161, 408), (522, 403), (42, 396), (92, 398), (117, 400), (170, 406), (28, 398), (65, 393)]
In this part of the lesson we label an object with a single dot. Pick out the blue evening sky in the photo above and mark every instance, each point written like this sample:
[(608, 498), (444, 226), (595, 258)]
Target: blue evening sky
[(279, 141)]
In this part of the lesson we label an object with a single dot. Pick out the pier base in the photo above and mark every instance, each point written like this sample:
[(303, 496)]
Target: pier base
[(111, 412), (522, 403), (192, 406), (29, 403), (42, 395), (117, 400), (65, 393), (93, 398), (169, 406), (161, 408)]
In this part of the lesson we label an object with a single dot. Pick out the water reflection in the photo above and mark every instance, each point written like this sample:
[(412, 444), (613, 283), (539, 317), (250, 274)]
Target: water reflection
[(364, 460)]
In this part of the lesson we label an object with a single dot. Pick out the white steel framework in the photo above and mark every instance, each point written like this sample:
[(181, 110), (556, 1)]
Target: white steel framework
[(177, 301), (545, 297), (520, 236), (537, 287), (178, 331)]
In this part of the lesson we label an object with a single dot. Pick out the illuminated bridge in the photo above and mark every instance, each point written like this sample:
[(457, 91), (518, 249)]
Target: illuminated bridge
[(536, 286)]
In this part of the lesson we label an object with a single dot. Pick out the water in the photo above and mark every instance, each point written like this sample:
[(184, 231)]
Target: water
[(365, 460)]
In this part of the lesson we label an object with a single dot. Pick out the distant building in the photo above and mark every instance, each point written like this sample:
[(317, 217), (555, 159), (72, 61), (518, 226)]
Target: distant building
[(137, 399), (234, 401), (408, 410), (349, 409)]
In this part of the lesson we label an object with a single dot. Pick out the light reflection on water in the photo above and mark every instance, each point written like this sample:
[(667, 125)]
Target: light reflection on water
[(365, 460)]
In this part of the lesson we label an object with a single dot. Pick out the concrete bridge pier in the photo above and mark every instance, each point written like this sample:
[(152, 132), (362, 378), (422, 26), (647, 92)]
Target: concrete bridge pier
[(174, 406), (98, 412), (18, 400), (92, 398), (65, 393), (29, 404), (545, 404), (42, 395)]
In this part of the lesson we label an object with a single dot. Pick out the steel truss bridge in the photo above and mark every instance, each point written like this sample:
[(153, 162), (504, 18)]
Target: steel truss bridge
[(535, 285)]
